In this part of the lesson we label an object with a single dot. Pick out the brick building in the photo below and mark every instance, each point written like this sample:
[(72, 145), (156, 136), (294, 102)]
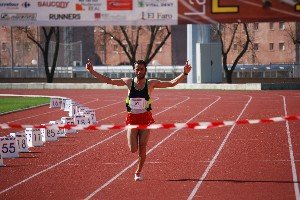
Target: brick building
[(109, 52), (271, 43), (21, 53)]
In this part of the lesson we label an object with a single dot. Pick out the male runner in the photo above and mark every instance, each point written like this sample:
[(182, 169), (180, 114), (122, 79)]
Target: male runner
[(138, 104)]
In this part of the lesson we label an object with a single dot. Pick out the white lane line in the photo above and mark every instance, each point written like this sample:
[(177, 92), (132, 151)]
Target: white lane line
[(292, 158), (77, 154), (148, 152), (211, 163), (109, 105)]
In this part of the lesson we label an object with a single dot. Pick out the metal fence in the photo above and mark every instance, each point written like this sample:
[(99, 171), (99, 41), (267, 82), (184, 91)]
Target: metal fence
[(291, 70), (33, 72), (166, 72)]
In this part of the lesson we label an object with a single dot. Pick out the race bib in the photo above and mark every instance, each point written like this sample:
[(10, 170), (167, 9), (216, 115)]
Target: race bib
[(137, 103)]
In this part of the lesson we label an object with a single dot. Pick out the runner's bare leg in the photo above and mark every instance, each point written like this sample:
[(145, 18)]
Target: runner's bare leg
[(132, 138), (143, 137)]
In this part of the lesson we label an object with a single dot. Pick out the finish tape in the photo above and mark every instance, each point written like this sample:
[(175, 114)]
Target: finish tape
[(193, 125)]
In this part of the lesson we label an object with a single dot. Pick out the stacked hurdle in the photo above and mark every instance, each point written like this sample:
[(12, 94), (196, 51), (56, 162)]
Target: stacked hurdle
[(21, 139), (15, 143)]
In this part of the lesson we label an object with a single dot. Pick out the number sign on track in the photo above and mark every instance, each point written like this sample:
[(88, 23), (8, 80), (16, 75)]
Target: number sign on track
[(9, 147)]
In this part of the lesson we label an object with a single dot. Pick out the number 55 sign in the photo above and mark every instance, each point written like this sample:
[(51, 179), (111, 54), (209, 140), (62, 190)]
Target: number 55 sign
[(8, 147)]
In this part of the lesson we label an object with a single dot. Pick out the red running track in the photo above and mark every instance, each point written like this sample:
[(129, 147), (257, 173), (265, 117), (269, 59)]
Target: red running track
[(260, 161)]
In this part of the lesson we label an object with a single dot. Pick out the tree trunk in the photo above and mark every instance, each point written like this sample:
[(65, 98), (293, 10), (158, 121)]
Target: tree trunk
[(50, 78), (48, 74), (55, 56), (44, 47), (228, 74)]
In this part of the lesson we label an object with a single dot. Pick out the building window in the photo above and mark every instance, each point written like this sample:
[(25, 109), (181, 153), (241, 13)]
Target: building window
[(255, 47), (234, 46), (102, 47), (235, 26), (281, 46), (271, 25), (281, 26), (4, 47), (271, 46), (255, 26), (27, 46), (18, 46), (116, 47)]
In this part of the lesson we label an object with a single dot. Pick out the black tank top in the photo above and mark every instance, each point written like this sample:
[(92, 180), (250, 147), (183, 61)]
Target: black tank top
[(137, 95)]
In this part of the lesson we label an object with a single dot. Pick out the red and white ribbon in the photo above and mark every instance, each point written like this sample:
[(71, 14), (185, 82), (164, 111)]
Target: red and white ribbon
[(195, 125)]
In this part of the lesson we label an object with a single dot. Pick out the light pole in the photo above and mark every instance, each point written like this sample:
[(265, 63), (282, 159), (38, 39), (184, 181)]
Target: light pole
[(12, 48), (1, 55), (104, 43), (38, 49)]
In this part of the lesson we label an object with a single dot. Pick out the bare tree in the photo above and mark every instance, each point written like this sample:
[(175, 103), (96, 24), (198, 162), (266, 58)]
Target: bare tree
[(222, 31), (129, 40), (292, 31), (44, 46)]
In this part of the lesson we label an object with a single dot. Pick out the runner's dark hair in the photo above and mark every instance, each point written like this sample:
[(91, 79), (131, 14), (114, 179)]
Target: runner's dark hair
[(140, 62)]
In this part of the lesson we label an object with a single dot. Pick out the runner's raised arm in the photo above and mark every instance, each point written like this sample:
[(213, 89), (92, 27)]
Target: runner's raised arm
[(104, 79), (163, 84)]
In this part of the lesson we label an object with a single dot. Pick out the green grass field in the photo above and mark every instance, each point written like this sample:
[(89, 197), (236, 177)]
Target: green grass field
[(8, 104)]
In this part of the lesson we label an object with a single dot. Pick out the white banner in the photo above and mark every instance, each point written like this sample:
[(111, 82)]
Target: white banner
[(88, 12), (144, 12)]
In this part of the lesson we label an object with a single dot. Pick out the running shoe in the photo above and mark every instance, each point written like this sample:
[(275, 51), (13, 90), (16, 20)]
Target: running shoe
[(138, 177)]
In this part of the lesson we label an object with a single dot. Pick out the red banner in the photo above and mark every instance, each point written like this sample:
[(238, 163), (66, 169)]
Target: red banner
[(230, 11)]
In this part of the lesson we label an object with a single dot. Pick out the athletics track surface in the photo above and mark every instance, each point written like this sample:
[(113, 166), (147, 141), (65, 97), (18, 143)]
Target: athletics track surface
[(260, 161)]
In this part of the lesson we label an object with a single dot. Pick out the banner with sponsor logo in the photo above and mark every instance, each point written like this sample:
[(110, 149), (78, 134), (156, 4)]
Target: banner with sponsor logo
[(230, 11), (144, 12)]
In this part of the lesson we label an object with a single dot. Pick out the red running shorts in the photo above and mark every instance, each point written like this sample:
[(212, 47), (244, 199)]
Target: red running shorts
[(140, 119)]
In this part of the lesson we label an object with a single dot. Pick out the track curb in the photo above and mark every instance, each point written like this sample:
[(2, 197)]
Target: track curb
[(246, 86)]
